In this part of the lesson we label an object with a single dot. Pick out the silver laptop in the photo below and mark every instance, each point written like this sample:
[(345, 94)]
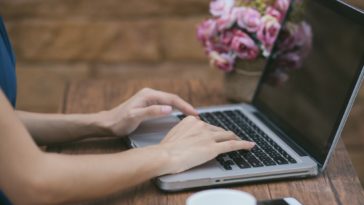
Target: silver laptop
[(298, 111)]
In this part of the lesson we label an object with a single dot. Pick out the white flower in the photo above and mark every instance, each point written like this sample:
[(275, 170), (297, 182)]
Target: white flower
[(221, 7)]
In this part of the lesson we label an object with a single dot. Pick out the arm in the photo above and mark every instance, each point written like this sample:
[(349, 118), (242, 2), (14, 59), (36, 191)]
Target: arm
[(49, 129), (43, 178)]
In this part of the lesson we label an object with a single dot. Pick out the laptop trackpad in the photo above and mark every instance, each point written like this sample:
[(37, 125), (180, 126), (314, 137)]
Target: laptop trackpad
[(152, 131)]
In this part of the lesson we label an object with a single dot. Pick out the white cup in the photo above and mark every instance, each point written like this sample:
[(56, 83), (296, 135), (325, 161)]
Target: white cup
[(221, 197)]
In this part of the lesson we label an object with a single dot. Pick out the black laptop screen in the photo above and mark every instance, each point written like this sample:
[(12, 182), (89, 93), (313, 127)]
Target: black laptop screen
[(309, 79)]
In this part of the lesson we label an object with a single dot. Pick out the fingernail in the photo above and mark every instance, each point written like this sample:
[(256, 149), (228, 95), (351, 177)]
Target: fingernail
[(166, 109), (252, 144)]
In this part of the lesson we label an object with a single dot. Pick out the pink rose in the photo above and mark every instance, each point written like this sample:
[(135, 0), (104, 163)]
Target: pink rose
[(223, 61), (223, 42), (268, 32), (209, 46), (275, 13), (243, 45), (226, 21), (282, 5), (219, 43), (248, 19), (226, 38), (221, 7), (206, 30)]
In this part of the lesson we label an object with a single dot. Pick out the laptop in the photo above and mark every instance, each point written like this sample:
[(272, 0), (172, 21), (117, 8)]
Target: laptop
[(297, 113)]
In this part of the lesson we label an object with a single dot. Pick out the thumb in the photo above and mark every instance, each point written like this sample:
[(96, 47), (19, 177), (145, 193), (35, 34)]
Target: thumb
[(152, 111)]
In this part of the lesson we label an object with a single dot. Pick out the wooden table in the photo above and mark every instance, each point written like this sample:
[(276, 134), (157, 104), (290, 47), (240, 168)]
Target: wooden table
[(338, 185)]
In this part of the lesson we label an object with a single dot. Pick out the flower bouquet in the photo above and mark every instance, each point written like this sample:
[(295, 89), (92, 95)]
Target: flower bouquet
[(240, 36)]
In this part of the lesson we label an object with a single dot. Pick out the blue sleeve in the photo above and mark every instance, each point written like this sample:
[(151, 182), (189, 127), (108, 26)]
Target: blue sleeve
[(7, 66), (7, 78), (4, 200)]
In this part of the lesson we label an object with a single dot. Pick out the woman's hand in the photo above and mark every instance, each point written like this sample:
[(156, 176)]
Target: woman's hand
[(193, 142), (144, 105)]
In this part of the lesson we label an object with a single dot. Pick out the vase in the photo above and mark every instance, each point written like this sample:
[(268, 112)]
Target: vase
[(241, 83)]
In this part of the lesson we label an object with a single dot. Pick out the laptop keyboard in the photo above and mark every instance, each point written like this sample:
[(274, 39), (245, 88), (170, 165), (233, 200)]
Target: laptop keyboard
[(265, 153)]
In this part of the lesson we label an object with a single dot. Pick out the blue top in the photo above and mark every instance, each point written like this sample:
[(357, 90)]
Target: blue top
[(7, 66), (7, 77)]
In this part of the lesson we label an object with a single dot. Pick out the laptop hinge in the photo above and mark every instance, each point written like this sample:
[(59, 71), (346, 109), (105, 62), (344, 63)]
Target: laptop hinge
[(297, 148)]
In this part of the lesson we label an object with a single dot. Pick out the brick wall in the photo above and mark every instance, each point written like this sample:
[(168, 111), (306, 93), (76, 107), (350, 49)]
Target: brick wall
[(61, 40)]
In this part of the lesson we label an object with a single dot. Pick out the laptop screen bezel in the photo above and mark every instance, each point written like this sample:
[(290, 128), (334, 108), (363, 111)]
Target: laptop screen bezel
[(357, 16)]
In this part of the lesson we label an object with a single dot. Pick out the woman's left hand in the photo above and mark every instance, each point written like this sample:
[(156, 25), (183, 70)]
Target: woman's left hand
[(144, 105)]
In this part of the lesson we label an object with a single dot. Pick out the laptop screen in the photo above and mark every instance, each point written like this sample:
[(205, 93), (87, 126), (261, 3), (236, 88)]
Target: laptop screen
[(310, 77)]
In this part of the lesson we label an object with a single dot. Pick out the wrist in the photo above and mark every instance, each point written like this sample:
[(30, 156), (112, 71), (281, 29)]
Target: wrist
[(103, 123), (162, 163)]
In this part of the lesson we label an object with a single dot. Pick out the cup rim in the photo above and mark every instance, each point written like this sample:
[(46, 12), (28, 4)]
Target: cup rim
[(200, 194)]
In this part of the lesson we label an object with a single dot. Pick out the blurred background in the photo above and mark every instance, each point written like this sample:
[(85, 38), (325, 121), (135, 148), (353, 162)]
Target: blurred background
[(59, 41)]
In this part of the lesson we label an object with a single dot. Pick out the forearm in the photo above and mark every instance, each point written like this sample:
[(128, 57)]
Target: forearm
[(29, 176), (59, 128), (78, 178), (63, 179), (123, 119)]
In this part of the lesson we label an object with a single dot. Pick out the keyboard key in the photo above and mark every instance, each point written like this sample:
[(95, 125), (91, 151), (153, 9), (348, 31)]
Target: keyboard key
[(263, 157), (220, 159), (269, 163), (230, 162), (224, 163), (181, 117), (227, 167), (251, 159), (242, 164), (290, 159), (280, 160), (255, 163)]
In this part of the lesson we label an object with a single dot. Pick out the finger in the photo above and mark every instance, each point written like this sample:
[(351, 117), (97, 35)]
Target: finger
[(221, 136), (214, 128), (233, 145), (188, 123), (196, 121), (176, 101), (151, 112), (192, 124), (183, 126)]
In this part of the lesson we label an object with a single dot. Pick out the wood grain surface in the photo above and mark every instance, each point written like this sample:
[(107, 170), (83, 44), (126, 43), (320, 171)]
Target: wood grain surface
[(338, 185)]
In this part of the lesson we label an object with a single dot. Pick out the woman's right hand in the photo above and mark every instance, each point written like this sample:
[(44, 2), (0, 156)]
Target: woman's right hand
[(193, 142)]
